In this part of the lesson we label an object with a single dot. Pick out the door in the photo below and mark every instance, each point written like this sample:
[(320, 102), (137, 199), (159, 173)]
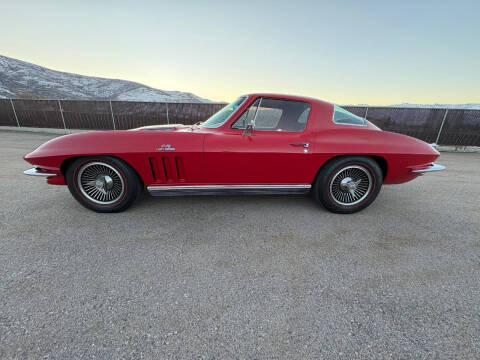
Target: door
[(275, 151)]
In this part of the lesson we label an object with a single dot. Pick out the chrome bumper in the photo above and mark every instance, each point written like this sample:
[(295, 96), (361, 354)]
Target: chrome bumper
[(433, 167), (36, 172)]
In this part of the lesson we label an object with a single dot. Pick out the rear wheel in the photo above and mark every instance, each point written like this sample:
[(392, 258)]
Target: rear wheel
[(103, 184), (348, 184)]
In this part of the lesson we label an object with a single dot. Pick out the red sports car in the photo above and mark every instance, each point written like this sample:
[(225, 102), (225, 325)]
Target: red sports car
[(259, 144)]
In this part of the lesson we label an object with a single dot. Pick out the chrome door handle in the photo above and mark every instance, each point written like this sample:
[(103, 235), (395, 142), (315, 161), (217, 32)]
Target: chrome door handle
[(305, 145)]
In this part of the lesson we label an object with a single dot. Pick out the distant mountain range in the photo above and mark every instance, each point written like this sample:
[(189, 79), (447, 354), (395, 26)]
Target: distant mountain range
[(20, 79), (472, 106), (467, 106)]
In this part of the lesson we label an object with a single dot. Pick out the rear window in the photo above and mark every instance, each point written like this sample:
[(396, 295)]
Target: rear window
[(342, 116)]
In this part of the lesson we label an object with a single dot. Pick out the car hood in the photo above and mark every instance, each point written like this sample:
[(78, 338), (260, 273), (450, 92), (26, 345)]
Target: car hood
[(135, 141)]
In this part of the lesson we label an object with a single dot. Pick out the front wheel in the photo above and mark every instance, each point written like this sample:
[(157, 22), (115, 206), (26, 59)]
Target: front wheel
[(348, 184), (103, 183)]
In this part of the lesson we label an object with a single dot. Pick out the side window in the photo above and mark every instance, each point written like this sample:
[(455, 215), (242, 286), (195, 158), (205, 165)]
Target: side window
[(268, 118), (304, 116), (247, 116), (275, 114), (342, 116)]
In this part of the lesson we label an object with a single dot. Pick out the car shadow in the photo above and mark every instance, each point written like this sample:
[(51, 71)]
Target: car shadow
[(201, 201)]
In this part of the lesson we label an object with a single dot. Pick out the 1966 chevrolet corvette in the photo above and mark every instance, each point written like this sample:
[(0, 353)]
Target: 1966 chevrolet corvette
[(259, 144)]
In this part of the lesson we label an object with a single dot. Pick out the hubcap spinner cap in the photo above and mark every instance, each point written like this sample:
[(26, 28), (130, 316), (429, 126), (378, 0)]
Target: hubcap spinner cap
[(104, 182)]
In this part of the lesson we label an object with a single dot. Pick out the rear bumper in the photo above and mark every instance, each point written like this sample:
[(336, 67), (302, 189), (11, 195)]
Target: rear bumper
[(35, 172), (431, 168)]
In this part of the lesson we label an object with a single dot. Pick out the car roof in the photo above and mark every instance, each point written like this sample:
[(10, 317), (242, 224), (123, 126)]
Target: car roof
[(289, 97)]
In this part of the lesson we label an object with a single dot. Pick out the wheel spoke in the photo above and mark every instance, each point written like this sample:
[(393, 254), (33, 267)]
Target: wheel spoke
[(351, 185)]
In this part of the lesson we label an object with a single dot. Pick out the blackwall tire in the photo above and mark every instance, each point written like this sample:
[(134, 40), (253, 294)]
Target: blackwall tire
[(348, 184), (103, 184)]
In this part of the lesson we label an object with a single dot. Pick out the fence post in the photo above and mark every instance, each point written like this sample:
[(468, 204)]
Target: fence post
[(441, 126), (168, 119), (14, 112), (366, 113), (61, 113), (113, 117)]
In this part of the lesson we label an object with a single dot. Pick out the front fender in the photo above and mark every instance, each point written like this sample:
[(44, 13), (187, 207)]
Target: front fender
[(134, 147)]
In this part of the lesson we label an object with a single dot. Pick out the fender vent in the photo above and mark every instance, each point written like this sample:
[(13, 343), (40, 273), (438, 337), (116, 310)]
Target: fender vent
[(153, 167), (180, 169), (167, 169)]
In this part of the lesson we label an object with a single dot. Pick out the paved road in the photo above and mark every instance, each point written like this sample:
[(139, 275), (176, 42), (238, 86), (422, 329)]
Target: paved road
[(257, 277)]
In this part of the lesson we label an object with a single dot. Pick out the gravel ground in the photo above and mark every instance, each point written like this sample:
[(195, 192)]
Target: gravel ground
[(254, 277)]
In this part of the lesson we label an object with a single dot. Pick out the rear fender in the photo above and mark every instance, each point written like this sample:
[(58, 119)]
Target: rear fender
[(400, 152)]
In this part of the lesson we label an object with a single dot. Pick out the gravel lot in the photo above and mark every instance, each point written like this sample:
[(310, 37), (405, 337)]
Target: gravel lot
[(256, 277)]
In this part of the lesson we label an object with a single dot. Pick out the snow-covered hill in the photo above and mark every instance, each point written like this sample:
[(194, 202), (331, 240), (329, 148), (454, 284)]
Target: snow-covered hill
[(20, 79)]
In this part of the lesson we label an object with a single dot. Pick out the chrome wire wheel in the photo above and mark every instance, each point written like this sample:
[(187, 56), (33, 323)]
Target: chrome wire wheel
[(100, 183), (351, 185)]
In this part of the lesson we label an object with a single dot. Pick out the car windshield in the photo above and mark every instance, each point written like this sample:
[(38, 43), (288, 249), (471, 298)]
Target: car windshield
[(219, 118)]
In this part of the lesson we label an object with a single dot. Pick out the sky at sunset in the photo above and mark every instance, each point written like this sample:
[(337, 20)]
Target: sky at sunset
[(348, 52)]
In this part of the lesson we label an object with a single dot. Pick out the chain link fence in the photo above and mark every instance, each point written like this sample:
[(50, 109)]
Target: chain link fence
[(442, 126)]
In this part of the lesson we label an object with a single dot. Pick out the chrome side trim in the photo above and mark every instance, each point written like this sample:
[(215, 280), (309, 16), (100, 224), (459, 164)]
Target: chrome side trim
[(433, 167), (35, 172), (180, 190)]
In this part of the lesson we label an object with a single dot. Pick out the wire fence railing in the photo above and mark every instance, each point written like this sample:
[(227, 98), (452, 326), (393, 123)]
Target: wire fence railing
[(458, 127)]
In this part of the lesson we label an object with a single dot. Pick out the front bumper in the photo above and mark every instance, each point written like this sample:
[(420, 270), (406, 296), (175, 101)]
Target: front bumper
[(431, 168), (36, 172)]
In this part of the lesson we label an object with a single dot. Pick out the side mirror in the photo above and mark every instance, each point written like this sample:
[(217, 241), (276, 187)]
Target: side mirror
[(248, 129)]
